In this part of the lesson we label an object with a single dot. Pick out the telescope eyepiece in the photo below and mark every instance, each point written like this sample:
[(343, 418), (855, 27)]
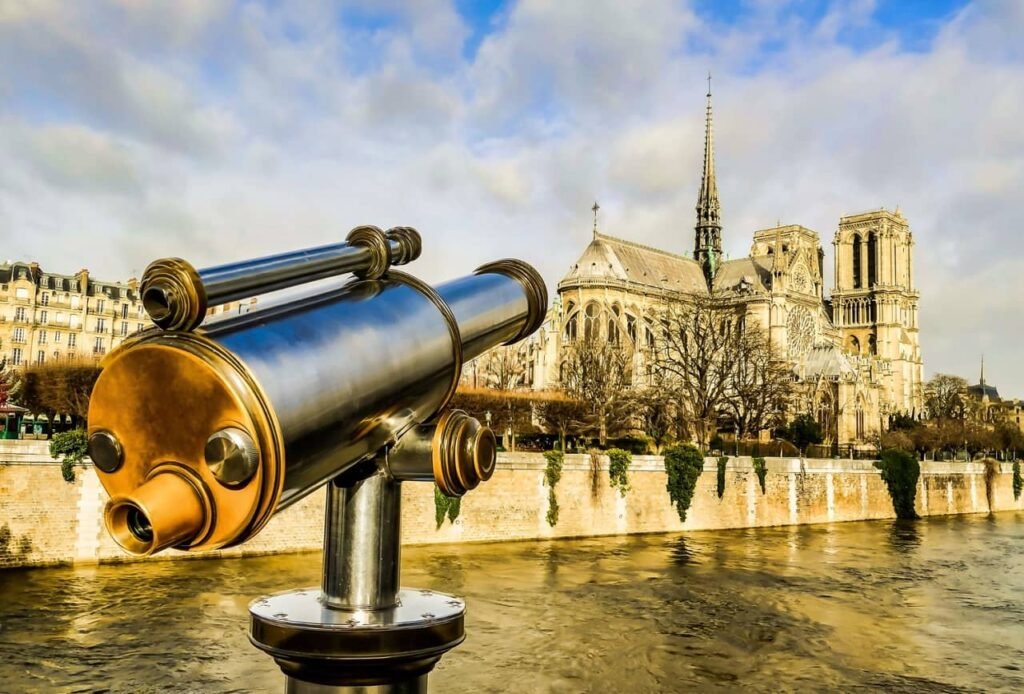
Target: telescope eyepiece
[(138, 524)]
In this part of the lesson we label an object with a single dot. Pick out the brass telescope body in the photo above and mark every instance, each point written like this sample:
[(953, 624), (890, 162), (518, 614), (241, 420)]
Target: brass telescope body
[(201, 434)]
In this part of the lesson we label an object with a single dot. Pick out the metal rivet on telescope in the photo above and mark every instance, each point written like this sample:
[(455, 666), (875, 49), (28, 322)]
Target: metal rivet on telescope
[(105, 451), (231, 456)]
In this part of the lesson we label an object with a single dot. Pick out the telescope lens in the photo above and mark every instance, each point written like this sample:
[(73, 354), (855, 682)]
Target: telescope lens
[(154, 300), (138, 525)]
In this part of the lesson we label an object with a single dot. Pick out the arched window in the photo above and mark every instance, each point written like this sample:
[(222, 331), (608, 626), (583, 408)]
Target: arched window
[(856, 262), (872, 345), (872, 260), (571, 328), (590, 325), (613, 332), (631, 328), (854, 344)]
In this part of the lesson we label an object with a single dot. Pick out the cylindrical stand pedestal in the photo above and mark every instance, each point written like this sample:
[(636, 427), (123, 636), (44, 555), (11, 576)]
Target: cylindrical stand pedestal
[(359, 632)]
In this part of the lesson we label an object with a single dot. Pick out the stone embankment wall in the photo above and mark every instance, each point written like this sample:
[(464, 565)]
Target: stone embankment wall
[(46, 521)]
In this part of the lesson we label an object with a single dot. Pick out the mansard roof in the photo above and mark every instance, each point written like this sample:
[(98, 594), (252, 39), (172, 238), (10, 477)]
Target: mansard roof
[(610, 259)]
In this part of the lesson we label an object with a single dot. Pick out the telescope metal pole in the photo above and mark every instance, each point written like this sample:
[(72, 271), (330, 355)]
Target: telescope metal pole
[(361, 564), (360, 633)]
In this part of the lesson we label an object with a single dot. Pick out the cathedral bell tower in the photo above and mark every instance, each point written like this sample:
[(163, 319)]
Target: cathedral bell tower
[(874, 302), (708, 243)]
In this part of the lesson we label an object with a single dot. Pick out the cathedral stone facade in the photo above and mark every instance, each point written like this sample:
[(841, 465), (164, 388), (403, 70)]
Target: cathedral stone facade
[(855, 357)]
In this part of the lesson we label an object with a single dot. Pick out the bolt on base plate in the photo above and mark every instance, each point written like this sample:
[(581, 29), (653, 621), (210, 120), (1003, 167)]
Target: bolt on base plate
[(339, 647)]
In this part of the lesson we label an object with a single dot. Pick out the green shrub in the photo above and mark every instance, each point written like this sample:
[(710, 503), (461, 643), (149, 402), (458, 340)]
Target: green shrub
[(900, 472), (720, 486), (683, 465), (618, 469), (552, 473), (1018, 482), (761, 470), (72, 446), (445, 506)]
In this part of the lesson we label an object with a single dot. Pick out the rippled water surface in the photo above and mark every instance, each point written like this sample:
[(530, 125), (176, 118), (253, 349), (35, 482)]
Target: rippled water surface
[(930, 606)]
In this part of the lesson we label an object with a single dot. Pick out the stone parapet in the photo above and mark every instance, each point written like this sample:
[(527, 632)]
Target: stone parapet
[(46, 521)]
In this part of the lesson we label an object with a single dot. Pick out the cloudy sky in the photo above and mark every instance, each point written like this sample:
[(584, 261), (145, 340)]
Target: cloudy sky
[(219, 130)]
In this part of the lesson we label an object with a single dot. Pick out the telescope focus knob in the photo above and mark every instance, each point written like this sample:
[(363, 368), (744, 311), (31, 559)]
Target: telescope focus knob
[(457, 452)]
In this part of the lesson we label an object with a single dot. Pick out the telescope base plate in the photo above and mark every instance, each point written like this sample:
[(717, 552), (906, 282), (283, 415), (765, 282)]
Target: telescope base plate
[(356, 647)]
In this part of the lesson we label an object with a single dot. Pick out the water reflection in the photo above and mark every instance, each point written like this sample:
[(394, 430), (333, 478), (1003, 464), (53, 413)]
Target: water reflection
[(905, 535), (921, 606)]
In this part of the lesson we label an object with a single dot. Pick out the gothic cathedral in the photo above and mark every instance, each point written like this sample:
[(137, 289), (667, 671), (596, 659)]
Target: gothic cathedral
[(855, 356)]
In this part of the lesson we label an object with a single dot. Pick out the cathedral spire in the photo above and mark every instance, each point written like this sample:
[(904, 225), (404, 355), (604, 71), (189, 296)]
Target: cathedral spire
[(708, 245), (982, 369)]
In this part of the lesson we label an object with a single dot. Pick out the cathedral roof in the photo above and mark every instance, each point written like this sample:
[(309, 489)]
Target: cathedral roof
[(608, 258), (744, 274), (828, 362), (982, 390)]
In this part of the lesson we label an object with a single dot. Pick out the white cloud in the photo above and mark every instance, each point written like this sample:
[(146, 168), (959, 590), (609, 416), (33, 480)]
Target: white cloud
[(217, 131)]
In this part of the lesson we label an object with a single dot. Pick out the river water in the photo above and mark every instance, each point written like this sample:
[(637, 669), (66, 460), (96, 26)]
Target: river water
[(929, 606)]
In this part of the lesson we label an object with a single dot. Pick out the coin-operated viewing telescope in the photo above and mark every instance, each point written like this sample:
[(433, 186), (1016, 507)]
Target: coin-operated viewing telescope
[(201, 434)]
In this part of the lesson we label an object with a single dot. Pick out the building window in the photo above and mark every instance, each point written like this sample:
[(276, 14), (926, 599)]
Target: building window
[(631, 328), (19, 314), (100, 305), (101, 325), (42, 337), (72, 339), (590, 322), (43, 315), (44, 299), (856, 262), (56, 337), (97, 346), (570, 328), (41, 357), (124, 310), (138, 327), (21, 293), (16, 356), (56, 356), (18, 335), (124, 329), (76, 301), (872, 261)]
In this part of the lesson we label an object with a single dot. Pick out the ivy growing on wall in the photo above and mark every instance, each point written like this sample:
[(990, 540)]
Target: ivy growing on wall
[(683, 465), (900, 472), (72, 446), (722, 462), (1018, 482), (991, 475), (445, 506), (552, 473), (761, 470), (618, 469)]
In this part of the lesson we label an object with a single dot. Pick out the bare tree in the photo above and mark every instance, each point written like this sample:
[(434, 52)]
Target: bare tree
[(946, 397), (760, 383), (597, 372), (656, 411), (695, 356), (500, 375), (562, 413)]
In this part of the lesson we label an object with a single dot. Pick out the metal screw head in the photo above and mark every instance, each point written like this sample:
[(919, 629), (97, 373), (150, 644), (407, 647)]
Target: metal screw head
[(231, 456), (105, 451)]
